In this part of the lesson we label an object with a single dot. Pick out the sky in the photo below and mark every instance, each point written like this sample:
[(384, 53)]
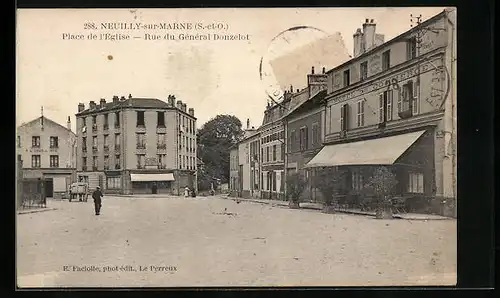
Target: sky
[(213, 77)]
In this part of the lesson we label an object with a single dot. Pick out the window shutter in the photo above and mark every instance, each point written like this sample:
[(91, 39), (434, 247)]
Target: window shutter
[(415, 98), (342, 118), (346, 117), (389, 105), (381, 107)]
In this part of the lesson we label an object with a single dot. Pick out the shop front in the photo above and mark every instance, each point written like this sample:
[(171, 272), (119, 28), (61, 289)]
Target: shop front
[(408, 156), (152, 183)]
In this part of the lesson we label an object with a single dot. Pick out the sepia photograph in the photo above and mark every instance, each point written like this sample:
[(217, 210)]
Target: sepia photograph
[(236, 147)]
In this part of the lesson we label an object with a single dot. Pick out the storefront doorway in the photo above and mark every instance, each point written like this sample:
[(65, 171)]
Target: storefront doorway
[(49, 187)]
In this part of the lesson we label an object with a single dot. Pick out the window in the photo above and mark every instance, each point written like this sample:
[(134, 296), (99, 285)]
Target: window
[(282, 147), (274, 152), (54, 161), (140, 161), (117, 140), (408, 100), (357, 180), (35, 141), (161, 119), (415, 182), (161, 141), (94, 120), (84, 144), (347, 78), (363, 70), (140, 118), (117, 119), (106, 121), (303, 138), (141, 140), (106, 162), (94, 143), (84, 122), (411, 48), (19, 141), (344, 120), (315, 134), (113, 182), (385, 106), (19, 157), (386, 60), (161, 161), (117, 161), (267, 153), (35, 161), (106, 141), (361, 113), (262, 153), (84, 163), (94, 162)]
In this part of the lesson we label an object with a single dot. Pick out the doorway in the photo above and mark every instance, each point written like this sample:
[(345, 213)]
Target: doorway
[(49, 187), (154, 188)]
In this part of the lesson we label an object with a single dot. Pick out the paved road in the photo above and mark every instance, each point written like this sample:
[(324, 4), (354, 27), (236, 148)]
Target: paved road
[(217, 242)]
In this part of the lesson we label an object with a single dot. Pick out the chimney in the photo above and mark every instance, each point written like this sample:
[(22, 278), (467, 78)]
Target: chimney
[(323, 70), (102, 103), (191, 112), (122, 98), (92, 105), (184, 107), (358, 43), (179, 105), (68, 124), (115, 99), (298, 90), (291, 88), (129, 95), (312, 70), (248, 123), (81, 107), (369, 34)]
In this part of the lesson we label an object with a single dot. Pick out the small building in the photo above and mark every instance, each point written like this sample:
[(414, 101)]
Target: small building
[(47, 151), (234, 181), (137, 145), (248, 163)]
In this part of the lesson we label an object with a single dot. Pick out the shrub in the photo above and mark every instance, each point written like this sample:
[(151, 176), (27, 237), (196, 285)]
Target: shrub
[(296, 184), (329, 181), (381, 185)]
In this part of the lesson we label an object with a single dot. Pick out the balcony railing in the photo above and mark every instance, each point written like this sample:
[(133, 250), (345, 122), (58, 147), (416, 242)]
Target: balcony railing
[(117, 125), (106, 167), (106, 148), (161, 146), (141, 146), (94, 168), (105, 126), (117, 148), (84, 148), (117, 166), (94, 127), (94, 149), (84, 168)]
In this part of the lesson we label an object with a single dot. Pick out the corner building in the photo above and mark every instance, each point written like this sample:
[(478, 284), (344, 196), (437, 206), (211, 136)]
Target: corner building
[(137, 145), (394, 105)]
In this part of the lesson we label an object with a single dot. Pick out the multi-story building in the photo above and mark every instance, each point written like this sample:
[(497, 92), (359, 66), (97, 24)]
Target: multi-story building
[(47, 150), (304, 128), (248, 163), (137, 145), (394, 105)]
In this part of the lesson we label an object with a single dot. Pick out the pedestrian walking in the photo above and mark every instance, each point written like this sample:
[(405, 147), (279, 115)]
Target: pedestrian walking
[(97, 195), (186, 192)]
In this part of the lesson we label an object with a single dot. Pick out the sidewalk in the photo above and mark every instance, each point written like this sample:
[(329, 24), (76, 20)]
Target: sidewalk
[(35, 210), (317, 206)]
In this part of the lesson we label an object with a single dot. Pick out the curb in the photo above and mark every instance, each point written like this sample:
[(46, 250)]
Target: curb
[(36, 211)]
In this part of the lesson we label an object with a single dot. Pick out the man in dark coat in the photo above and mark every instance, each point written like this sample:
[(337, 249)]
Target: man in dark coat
[(97, 195)]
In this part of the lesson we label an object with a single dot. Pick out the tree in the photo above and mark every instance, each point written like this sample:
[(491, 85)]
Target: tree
[(296, 184), (381, 185), (214, 140), (329, 181)]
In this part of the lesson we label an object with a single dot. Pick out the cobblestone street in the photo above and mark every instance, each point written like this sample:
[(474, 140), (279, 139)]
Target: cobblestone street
[(218, 242)]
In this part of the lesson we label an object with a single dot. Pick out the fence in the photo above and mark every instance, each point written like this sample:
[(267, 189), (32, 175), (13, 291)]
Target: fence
[(31, 193)]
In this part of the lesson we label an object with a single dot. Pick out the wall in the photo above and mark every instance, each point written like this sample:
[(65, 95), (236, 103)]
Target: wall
[(66, 142)]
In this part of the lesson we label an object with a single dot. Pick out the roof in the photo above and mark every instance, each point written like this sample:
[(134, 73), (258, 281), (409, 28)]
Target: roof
[(316, 97), (47, 120), (393, 40), (135, 102)]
